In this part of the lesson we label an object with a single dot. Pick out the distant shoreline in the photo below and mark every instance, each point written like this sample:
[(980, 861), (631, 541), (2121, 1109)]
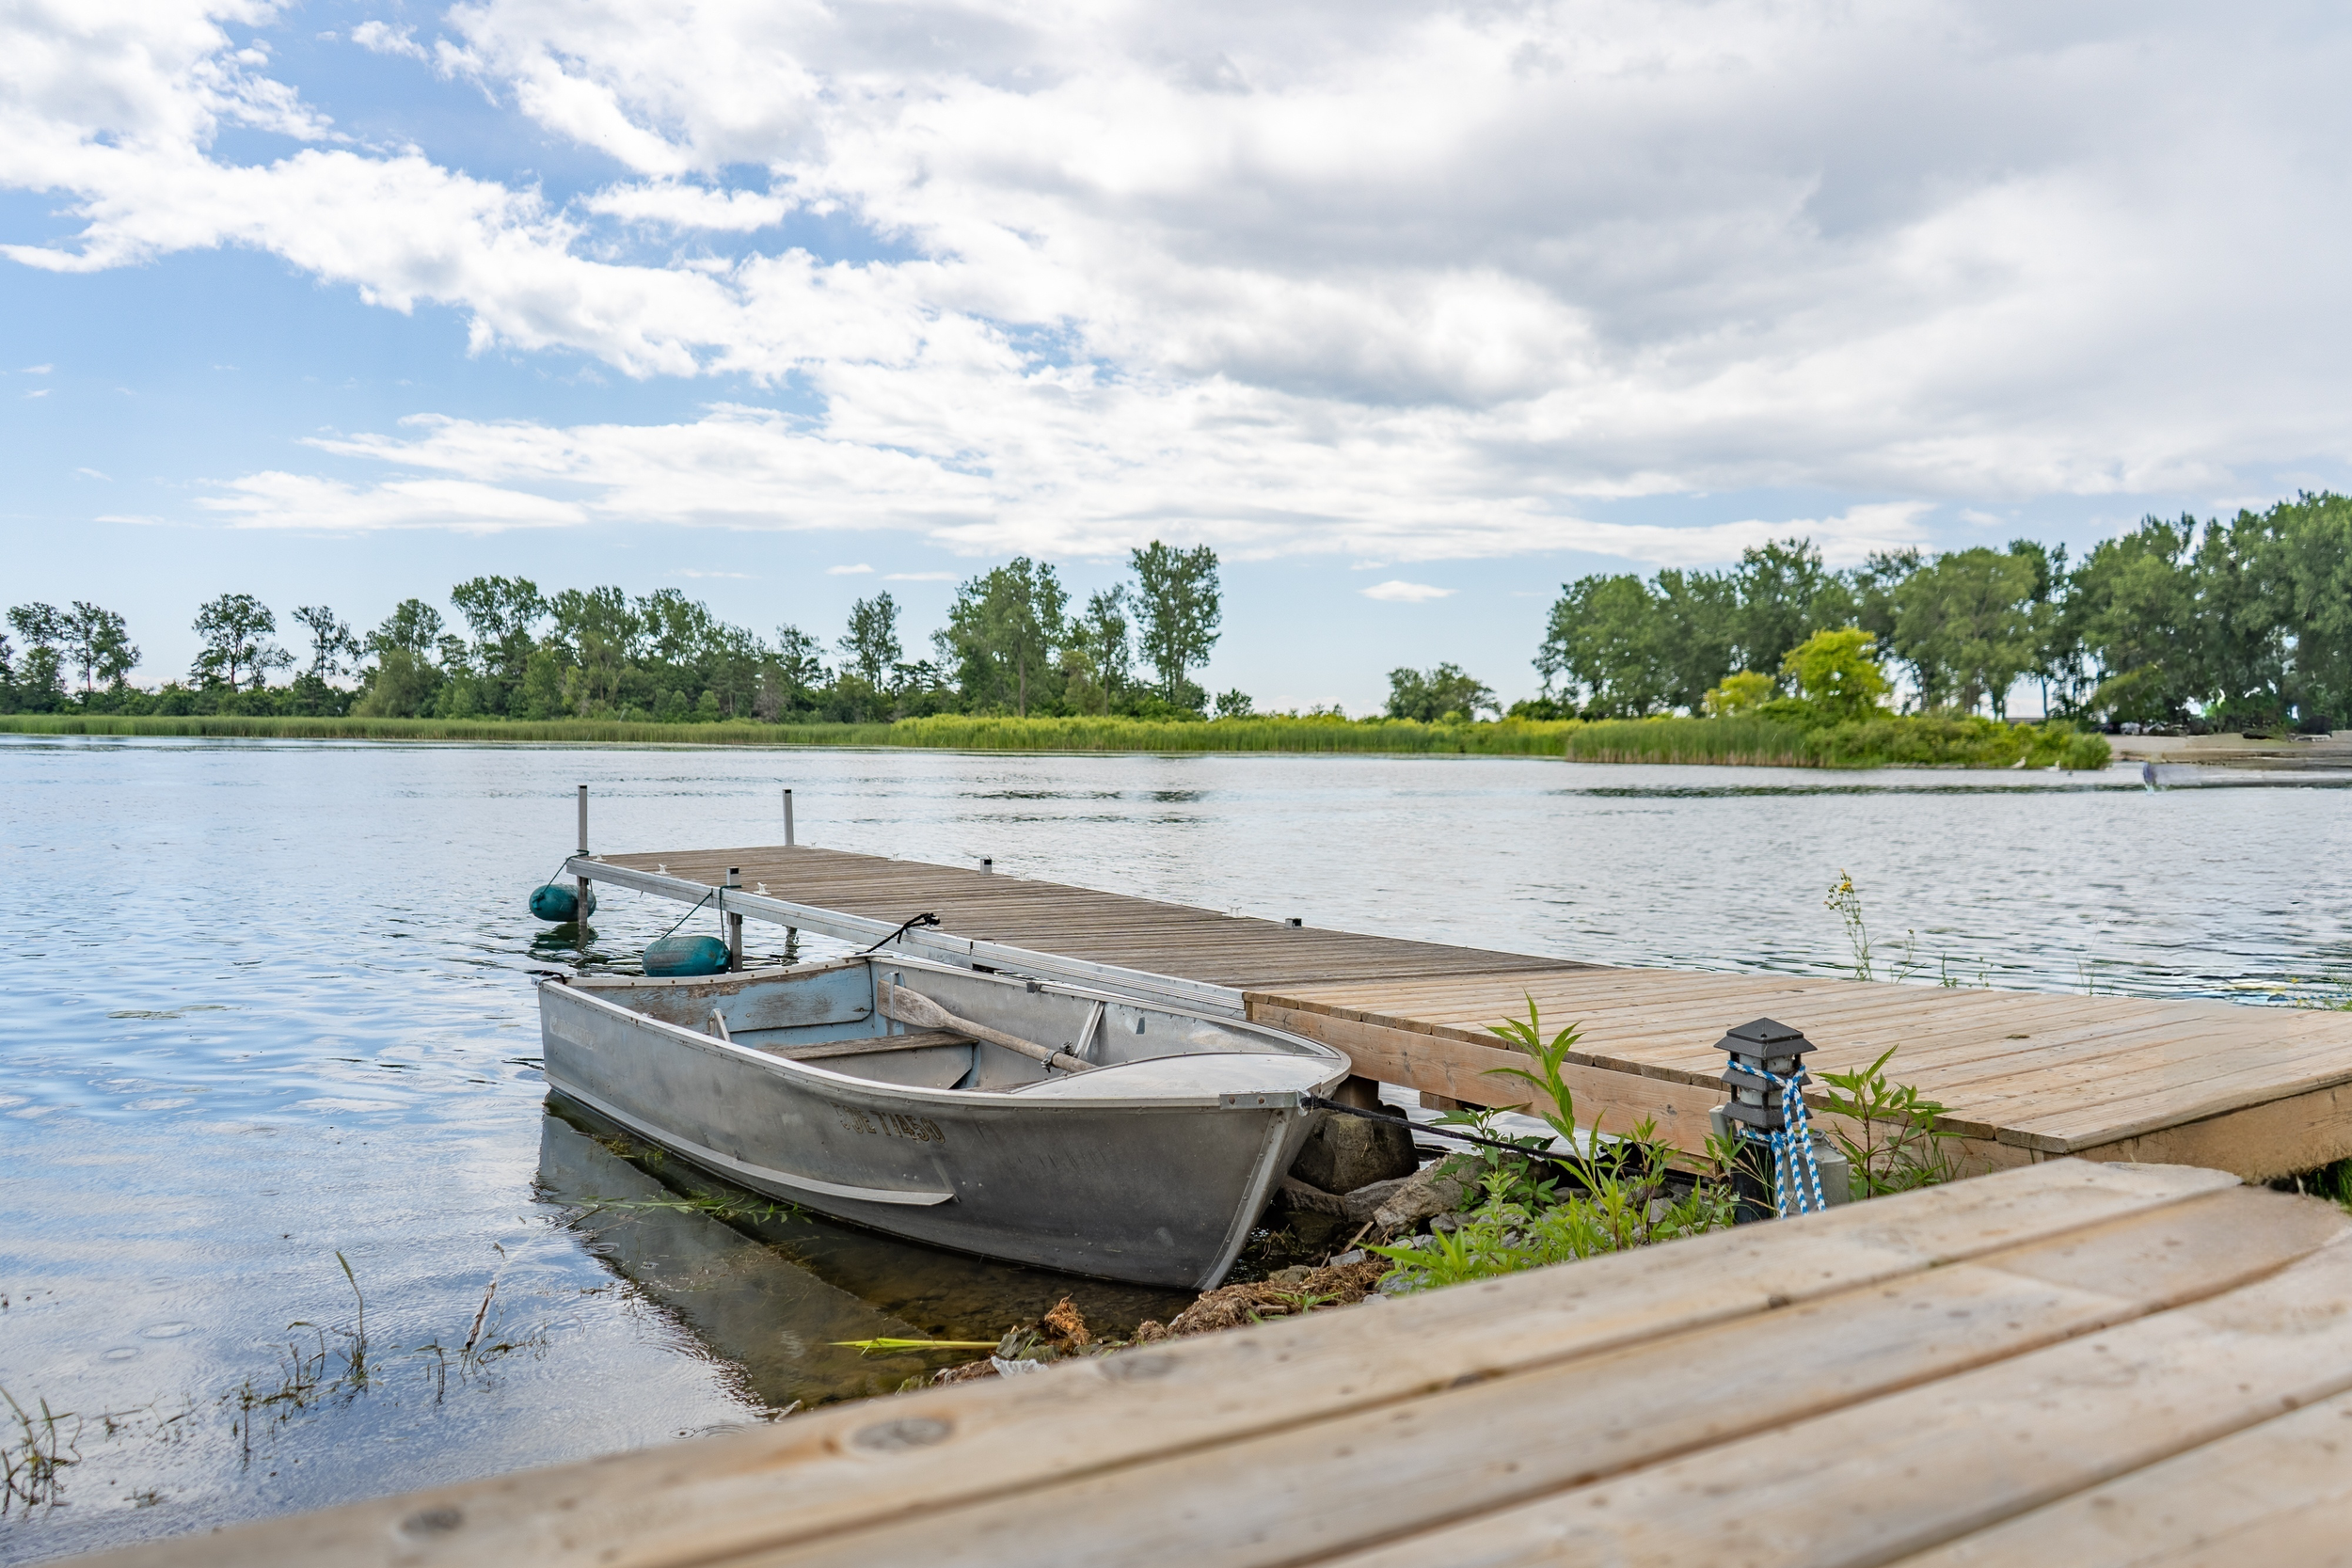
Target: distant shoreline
[(1909, 741)]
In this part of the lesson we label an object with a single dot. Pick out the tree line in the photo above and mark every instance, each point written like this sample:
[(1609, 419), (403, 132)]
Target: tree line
[(1013, 643), (2243, 623), (2239, 624)]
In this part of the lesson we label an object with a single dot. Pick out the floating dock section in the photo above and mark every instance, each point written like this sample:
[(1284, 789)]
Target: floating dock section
[(2025, 1076), (2073, 1364)]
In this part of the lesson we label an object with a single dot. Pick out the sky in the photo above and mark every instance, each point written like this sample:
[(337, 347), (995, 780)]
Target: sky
[(1414, 312)]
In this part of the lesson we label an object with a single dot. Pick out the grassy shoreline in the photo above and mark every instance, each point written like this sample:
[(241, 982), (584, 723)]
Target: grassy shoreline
[(1909, 741)]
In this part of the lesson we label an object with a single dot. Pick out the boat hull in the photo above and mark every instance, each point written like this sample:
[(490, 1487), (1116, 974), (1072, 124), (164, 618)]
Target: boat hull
[(1160, 1193)]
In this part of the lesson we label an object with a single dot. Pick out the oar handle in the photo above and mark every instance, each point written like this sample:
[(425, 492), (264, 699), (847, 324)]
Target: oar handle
[(907, 1007)]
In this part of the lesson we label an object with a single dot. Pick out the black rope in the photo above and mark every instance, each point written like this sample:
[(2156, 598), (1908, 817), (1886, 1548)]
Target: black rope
[(1574, 1166), (690, 913), (904, 928), (1579, 1171)]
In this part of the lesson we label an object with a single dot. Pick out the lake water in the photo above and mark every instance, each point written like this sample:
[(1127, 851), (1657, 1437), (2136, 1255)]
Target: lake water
[(268, 1015)]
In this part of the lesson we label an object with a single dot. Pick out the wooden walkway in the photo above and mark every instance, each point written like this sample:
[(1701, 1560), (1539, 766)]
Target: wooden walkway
[(2257, 1091), (2073, 1364)]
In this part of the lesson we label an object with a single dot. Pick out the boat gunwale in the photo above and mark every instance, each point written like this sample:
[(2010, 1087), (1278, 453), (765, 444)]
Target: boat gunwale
[(825, 1079)]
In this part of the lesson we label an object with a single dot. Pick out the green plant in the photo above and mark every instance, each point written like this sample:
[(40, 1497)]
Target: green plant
[(1614, 1195), (1846, 899), (1901, 1144), (33, 1461)]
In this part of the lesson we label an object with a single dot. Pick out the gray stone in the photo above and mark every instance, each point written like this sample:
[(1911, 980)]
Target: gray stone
[(1345, 1152), (1361, 1203), (1421, 1196)]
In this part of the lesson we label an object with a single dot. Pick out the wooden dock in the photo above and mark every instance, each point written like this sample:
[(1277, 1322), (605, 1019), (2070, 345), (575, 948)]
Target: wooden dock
[(2257, 1091), (2071, 1364)]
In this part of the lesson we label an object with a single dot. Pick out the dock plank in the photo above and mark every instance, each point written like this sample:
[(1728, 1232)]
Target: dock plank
[(1309, 1490), (1913, 1469), (2064, 1229)]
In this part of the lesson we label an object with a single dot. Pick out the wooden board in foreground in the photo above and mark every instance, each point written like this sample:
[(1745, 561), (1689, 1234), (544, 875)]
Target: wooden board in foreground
[(2033, 1367)]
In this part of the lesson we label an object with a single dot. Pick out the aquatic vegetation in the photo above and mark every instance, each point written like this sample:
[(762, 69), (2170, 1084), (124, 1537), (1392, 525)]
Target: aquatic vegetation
[(719, 1206), (35, 1457)]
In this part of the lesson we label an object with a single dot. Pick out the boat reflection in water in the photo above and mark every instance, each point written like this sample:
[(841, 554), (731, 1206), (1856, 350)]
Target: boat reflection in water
[(771, 1289)]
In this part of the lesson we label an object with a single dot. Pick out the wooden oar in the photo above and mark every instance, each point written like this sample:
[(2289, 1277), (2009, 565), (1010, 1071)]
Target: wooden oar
[(908, 1006)]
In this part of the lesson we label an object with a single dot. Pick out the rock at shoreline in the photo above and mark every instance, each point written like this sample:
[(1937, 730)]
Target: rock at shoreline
[(1421, 1196), (1345, 1152)]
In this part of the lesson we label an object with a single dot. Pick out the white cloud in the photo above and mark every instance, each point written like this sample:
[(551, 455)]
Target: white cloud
[(37, 392), (857, 570), (379, 38), (1427, 288), (682, 206), (1398, 591), (39, 369), (282, 500), (93, 473)]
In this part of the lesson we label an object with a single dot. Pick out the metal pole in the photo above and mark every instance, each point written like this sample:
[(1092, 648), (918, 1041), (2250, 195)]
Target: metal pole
[(735, 922), (580, 890), (791, 934)]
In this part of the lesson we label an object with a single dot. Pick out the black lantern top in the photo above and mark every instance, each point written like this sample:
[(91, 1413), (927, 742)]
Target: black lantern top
[(1764, 1039)]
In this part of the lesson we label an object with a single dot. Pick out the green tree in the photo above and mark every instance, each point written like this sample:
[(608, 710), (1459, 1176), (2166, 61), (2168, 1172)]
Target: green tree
[(2132, 605), (1838, 674), (870, 644), (1740, 695), (40, 678), (2310, 570), (235, 629), (2245, 644), (1965, 625), (1001, 632), (331, 641), (503, 613), (99, 643), (599, 636), (413, 625), (788, 682), (1178, 609), (1872, 586), (1097, 662), (1604, 646), (1785, 595), (1431, 695), (1234, 703), (1697, 617)]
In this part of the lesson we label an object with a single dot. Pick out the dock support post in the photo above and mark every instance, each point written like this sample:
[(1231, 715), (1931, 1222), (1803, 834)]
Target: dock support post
[(580, 888), (734, 922), (791, 933)]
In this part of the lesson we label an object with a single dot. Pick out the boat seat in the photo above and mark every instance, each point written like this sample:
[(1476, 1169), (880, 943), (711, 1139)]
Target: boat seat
[(869, 1045), (1191, 1076)]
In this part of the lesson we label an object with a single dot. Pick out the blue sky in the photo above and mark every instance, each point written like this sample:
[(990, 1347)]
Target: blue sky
[(343, 303)]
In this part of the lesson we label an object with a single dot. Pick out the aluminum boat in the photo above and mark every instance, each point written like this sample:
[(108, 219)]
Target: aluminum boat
[(1142, 1148)]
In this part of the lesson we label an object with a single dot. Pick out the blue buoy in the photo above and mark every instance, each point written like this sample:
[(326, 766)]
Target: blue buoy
[(555, 903), (674, 956)]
